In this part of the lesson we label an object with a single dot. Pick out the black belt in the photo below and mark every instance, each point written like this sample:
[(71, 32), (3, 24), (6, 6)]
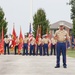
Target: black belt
[(62, 41)]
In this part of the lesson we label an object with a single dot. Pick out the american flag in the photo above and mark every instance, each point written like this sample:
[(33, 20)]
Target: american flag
[(29, 36)]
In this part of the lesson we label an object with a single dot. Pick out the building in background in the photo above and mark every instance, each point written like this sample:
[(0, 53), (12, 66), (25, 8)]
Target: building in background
[(55, 26)]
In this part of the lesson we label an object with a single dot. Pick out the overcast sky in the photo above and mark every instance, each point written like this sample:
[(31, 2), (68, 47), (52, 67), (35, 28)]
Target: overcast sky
[(20, 12)]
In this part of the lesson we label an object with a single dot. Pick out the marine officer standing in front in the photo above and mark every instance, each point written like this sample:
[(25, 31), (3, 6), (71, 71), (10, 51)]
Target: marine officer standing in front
[(61, 36)]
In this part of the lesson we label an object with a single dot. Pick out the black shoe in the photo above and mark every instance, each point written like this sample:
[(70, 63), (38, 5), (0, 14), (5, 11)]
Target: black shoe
[(15, 53), (57, 66), (40, 54), (23, 54), (47, 54), (64, 66), (26, 54)]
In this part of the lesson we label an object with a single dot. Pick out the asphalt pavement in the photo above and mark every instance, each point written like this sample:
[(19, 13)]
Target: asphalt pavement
[(34, 65)]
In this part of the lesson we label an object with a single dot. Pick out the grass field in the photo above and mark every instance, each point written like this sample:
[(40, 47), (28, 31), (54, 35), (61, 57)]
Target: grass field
[(71, 53)]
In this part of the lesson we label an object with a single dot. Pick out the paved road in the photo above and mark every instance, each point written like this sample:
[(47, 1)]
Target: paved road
[(34, 65)]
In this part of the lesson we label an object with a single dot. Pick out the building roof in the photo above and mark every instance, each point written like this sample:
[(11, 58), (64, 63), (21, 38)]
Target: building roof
[(56, 25)]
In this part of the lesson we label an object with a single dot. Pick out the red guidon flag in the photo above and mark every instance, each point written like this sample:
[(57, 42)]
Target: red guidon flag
[(13, 38), (37, 34), (2, 43), (20, 41)]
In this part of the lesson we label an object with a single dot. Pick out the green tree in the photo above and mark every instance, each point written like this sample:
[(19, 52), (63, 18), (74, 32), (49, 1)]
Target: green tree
[(72, 3), (3, 22), (39, 18), (74, 27)]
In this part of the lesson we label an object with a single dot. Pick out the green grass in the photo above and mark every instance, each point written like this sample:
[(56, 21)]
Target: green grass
[(71, 53)]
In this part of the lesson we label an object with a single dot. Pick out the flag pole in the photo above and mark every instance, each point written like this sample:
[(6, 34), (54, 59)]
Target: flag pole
[(14, 25), (31, 12)]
